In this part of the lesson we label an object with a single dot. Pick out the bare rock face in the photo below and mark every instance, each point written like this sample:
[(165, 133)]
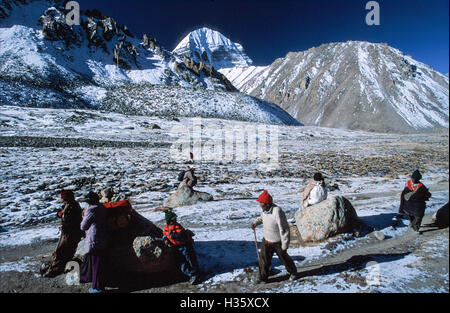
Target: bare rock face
[(138, 248), (326, 219), (186, 196), (54, 27)]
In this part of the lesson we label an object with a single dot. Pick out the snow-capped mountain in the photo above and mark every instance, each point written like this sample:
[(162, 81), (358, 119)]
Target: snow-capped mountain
[(46, 63), (212, 48), (99, 51), (353, 85)]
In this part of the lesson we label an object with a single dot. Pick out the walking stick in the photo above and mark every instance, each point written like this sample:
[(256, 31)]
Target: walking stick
[(257, 251)]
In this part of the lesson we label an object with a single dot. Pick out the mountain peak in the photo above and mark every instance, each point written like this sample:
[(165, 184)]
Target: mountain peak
[(211, 47)]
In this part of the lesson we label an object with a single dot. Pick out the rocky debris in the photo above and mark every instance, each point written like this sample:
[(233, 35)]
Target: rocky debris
[(125, 53), (42, 142), (326, 219), (99, 29), (110, 28), (379, 235), (389, 166), (296, 240), (152, 44), (332, 186), (186, 196), (199, 69), (172, 118)]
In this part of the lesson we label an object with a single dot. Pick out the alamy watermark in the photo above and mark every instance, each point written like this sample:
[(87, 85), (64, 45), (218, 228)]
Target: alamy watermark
[(72, 273), (233, 142), (73, 16), (373, 17), (373, 277)]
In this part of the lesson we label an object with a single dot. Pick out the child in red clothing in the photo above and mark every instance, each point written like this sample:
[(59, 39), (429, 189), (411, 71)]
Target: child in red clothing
[(181, 239)]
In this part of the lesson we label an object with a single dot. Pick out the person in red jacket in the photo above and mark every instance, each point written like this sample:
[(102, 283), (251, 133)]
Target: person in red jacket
[(175, 235)]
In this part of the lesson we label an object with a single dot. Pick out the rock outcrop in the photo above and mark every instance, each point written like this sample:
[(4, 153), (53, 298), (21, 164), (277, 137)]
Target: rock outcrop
[(54, 27), (326, 219), (186, 196)]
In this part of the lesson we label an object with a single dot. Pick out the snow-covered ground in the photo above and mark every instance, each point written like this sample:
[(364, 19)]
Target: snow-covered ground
[(33, 171)]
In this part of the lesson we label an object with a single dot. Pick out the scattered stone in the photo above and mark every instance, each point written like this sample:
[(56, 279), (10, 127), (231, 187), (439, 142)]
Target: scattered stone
[(154, 126), (186, 196), (379, 235)]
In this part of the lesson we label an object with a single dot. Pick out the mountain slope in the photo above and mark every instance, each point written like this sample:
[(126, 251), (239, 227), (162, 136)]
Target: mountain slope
[(353, 85), (99, 51), (212, 48), (46, 63)]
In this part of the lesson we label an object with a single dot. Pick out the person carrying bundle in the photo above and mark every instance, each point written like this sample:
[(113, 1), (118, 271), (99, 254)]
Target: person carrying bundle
[(71, 235), (412, 200)]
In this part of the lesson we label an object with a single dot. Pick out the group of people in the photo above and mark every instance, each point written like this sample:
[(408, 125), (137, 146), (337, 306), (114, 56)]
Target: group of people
[(92, 224)]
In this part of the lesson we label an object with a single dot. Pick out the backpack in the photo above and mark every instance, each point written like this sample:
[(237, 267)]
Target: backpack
[(181, 176)]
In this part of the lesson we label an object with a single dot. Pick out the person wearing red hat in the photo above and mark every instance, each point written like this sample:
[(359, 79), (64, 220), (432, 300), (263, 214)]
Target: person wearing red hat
[(71, 235), (276, 237)]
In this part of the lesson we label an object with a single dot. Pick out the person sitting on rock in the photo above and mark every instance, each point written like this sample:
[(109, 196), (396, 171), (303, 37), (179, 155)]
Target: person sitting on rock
[(412, 200), (174, 234), (276, 237), (315, 192), (70, 235), (189, 178)]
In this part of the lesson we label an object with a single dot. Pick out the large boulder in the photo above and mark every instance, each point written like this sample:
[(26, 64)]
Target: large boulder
[(137, 248), (326, 219), (186, 196)]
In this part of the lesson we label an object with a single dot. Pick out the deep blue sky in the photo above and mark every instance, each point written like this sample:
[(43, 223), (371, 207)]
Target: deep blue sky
[(268, 29)]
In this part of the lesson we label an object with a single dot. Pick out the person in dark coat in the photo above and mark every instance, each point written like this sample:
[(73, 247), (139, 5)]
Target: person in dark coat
[(177, 236), (70, 235), (412, 200), (94, 223)]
